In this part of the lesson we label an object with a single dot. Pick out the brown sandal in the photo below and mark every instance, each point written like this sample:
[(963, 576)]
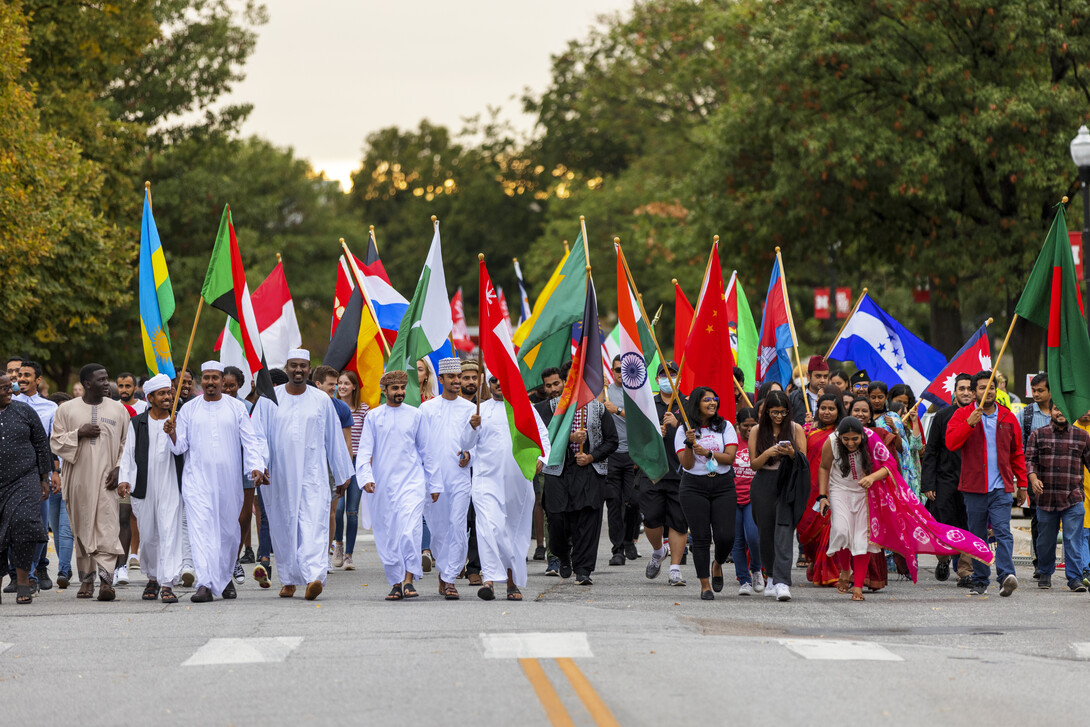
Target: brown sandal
[(844, 583), (86, 589), (857, 594), (451, 593), (287, 591)]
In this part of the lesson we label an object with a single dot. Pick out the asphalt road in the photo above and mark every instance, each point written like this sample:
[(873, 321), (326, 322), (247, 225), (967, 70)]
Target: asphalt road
[(626, 651)]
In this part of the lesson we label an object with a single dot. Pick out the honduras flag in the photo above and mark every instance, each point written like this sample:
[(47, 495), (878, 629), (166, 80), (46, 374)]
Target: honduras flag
[(888, 351)]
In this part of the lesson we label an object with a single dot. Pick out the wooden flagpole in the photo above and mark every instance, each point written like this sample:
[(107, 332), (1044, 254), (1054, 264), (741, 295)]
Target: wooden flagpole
[(995, 364), (363, 291), (703, 284), (909, 412), (791, 325), (843, 325)]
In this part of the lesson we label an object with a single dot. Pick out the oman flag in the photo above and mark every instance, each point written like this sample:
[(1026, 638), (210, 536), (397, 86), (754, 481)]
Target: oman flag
[(1052, 300), (975, 355), (645, 443), (225, 288), (499, 358), (460, 331), (708, 353)]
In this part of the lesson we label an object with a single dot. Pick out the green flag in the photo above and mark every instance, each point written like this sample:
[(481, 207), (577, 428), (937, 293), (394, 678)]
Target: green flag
[(548, 342), (1052, 300), (743, 335)]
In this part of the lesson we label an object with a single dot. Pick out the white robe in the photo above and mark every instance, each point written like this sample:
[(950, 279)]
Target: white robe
[(159, 512), (393, 453), (222, 444), (447, 516), (503, 499), (306, 443)]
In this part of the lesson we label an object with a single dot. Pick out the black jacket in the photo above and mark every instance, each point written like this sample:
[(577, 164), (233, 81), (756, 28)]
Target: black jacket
[(793, 488), (798, 406), (143, 440), (941, 467)]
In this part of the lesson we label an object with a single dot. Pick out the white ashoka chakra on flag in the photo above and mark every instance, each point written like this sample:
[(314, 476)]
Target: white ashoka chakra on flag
[(633, 371)]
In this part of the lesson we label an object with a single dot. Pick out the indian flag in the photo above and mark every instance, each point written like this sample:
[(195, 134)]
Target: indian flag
[(645, 444)]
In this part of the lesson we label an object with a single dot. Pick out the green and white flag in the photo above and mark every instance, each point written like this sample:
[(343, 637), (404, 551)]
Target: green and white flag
[(427, 322)]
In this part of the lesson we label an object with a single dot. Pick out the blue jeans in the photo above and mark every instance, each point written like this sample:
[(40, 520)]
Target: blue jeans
[(425, 542), (62, 534), (745, 535), (264, 544), (993, 507), (1048, 525), (348, 507)]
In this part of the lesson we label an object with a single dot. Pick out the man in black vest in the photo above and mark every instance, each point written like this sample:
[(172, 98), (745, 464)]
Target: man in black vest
[(153, 475)]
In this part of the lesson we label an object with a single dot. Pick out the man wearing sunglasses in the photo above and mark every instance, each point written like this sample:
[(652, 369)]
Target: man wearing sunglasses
[(623, 514)]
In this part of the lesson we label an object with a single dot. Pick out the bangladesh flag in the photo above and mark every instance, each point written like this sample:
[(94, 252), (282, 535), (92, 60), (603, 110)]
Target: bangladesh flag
[(225, 288), (1052, 301)]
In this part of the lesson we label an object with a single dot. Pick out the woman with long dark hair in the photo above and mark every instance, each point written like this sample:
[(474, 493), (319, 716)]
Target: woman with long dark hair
[(348, 507), (707, 494), (775, 438), (814, 527), (747, 544)]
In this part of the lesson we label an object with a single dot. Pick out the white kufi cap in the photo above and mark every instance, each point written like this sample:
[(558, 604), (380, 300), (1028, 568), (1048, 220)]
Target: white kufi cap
[(299, 353), (211, 366), (450, 366), (155, 383)]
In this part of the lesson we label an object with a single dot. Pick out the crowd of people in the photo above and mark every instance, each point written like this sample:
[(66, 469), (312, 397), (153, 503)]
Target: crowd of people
[(170, 475)]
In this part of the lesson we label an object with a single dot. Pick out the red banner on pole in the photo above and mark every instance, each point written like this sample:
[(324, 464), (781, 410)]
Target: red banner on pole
[(821, 304), (843, 302)]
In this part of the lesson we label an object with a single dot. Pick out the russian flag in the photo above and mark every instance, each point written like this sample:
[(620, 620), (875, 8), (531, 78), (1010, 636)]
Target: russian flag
[(774, 348)]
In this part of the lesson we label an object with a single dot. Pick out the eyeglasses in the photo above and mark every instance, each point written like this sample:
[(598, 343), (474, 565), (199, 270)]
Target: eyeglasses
[(710, 399), (777, 412), (492, 379), (617, 372), (860, 386)]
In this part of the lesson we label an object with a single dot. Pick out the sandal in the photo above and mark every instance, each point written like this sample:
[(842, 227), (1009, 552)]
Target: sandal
[(857, 594), (26, 595), (843, 583), (451, 593), (167, 594), (513, 593), (409, 590), (151, 591), (86, 589), (395, 593), (486, 593)]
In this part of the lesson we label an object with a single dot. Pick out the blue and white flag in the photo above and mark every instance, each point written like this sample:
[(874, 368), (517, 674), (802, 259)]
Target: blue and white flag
[(888, 351), (524, 300)]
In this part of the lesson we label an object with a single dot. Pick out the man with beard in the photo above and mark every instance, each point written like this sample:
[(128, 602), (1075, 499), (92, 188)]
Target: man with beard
[(217, 433), (553, 385), (30, 381), (89, 436), (940, 476), (471, 387), (126, 389), (396, 468)]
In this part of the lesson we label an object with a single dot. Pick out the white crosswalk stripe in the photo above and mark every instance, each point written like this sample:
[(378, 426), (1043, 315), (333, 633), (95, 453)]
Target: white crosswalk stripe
[(244, 651), (571, 644), (835, 650)]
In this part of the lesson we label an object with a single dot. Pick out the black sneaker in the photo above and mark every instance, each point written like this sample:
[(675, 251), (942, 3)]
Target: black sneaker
[(965, 582), (978, 589), (553, 568), (565, 570), (1044, 582), (1076, 586), (247, 556), (539, 553), (11, 587), (583, 579), (630, 551), (43, 580), (1036, 574), (229, 591), (617, 559), (942, 570)]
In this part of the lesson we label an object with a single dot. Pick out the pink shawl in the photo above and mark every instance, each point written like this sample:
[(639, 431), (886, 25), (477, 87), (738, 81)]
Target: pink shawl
[(899, 522)]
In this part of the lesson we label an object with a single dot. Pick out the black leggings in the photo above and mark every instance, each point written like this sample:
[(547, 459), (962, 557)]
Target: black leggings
[(709, 504)]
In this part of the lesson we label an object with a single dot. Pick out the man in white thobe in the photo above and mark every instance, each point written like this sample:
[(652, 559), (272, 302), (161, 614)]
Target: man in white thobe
[(151, 473), (222, 444), (396, 469), (447, 416), (303, 434), (502, 497)]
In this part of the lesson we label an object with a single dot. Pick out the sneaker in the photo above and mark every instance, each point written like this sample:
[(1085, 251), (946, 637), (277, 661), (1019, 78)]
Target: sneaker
[(134, 561), (758, 582), (978, 589), (338, 555), (239, 574), (349, 564), (1009, 585), (770, 589), (565, 570), (1044, 582), (427, 561), (553, 567), (746, 589), (783, 592), (261, 575), (189, 576), (539, 553), (1036, 574), (63, 579), (617, 559), (676, 579), (630, 551), (1076, 586), (11, 587), (653, 567), (43, 580), (583, 579), (247, 556), (942, 570), (965, 582), (121, 576), (329, 564)]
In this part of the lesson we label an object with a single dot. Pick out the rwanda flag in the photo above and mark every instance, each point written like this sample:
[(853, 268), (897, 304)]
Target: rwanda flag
[(156, 297)]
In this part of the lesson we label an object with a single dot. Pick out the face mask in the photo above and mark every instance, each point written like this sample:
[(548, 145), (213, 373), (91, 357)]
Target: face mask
[(664, 385), (14, 386), (711, 465)]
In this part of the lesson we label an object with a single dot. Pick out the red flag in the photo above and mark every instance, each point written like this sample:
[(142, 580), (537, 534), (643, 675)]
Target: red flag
[(460, 332), (683, 321), (975, 355), (708, 355), (504, 309)]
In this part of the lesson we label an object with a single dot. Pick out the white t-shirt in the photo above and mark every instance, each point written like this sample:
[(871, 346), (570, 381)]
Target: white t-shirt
[(711, 441)]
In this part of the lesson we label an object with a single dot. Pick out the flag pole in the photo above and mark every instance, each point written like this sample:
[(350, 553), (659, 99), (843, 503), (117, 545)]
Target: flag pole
[(363, 291), (480, 349), (371, 232), (995, 365), (185, 363), (845, 323), (703, 284), (655, 320), (658, 349), (909, 413), (791, 324), (279, 260)]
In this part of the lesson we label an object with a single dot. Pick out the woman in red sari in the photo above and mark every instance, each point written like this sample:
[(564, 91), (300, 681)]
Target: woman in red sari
[(813, 529)]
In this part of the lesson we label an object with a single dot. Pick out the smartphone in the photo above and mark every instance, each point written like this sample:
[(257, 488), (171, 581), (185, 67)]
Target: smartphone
[(783, 443), (817, 507)]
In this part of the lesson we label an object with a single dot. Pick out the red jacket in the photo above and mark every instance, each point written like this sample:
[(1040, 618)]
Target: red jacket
[(974, 455)]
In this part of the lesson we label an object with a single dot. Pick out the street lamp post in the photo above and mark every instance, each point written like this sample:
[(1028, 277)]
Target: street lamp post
[(1080, 154)]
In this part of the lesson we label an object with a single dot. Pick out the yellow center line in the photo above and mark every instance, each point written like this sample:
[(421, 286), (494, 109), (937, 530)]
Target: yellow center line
[(550, 700), (598, 710)]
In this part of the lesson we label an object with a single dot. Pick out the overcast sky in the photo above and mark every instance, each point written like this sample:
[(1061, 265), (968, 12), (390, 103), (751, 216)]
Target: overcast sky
[(328, 72)]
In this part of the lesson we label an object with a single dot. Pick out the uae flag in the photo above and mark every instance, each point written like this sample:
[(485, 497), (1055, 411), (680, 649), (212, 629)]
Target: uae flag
[(225, 288), (1052, 301), (975, 355), (276, 323), (499, 358), (645, 443)]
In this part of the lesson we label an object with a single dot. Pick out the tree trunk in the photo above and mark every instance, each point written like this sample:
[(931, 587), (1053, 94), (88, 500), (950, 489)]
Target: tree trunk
[(946, 333)]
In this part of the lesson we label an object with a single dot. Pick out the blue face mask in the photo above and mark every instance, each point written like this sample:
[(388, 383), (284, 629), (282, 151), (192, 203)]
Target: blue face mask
[(664, 385), (14, 386), (711, 464)]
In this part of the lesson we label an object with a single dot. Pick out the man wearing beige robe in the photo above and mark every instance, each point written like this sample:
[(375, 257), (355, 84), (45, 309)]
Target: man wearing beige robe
[(89, 435)]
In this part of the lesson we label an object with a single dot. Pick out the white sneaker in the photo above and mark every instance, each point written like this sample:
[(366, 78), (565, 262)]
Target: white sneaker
[(348, 562), (338, 555), (121, 576), (758, 582), (783, 592), (134, 561), (746, 589), (770, 589), (329, 566)]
